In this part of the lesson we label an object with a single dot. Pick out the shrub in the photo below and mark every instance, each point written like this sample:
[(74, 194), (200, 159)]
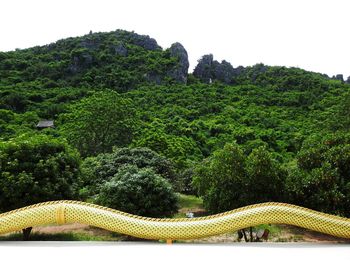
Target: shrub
[(96, 123), (230, 179), (35, 169), (140, 192), (321, 179), (97, 170)]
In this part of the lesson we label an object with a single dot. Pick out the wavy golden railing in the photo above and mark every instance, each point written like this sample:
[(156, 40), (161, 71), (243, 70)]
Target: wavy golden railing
[(61, 212)]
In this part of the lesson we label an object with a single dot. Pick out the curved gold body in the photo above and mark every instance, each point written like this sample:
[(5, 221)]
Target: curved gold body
[(61, 212)]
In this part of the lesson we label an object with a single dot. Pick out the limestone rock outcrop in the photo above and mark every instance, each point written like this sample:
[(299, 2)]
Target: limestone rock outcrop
[(180, 72), (209, 69)]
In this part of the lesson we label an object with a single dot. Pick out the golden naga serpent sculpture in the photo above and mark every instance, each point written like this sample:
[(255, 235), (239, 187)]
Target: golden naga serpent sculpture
[(61, 212)]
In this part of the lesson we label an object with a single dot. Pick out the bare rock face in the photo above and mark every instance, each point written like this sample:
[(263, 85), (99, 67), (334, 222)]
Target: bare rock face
[(339, 77), (120, 50), (224, 71), (348, 80), (257, 70), (179, 73), (209, 69), (204, 68)]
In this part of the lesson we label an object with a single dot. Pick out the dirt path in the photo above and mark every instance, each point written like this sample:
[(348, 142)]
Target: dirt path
[(297, 234), (78, 229)]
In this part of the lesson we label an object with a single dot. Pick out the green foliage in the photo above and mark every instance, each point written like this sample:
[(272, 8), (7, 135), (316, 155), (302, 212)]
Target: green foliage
[(119, 60), (230, 179), (15, 101), (221, 180), (321, 180), (97, 123), (139, 191), (179, 149), (99, 169), (37, 168), (344, 112), (202, 118), (185, 181), (190, 202), (265, 177)]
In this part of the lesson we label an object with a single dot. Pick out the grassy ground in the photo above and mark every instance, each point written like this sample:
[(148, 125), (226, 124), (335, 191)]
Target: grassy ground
[(190, 202), (68, 232)]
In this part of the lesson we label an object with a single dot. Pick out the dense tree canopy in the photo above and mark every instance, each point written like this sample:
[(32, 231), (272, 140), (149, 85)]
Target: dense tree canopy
[(99, 169), (322, 178), (230, 179), (139, 191), (37, 168), (97, 123)]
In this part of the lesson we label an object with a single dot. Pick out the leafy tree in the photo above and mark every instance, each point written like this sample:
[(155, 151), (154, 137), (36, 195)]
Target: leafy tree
[(139, 191), (229, 179), (37, 168), (321, 179), (99, 169), (265, 177), (221, 179), (317, 189), (99, 122)]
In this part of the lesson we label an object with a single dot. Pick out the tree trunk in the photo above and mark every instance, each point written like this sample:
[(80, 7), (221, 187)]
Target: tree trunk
[(26, 233), (245, 236)]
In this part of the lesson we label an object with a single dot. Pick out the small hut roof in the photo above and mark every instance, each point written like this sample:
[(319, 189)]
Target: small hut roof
[(45, 124)]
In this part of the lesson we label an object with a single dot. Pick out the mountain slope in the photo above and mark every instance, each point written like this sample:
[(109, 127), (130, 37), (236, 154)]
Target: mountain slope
[(183, 116), (119, 60)]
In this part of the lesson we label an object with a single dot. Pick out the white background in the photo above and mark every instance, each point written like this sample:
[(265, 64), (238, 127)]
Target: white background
[(311, 34), (66, 252)]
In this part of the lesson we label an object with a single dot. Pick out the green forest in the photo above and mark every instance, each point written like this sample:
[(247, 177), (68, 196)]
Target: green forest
[(133, 129)]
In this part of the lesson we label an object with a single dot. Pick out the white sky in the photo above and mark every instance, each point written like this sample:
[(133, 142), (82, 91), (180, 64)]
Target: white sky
[(311, 34)]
